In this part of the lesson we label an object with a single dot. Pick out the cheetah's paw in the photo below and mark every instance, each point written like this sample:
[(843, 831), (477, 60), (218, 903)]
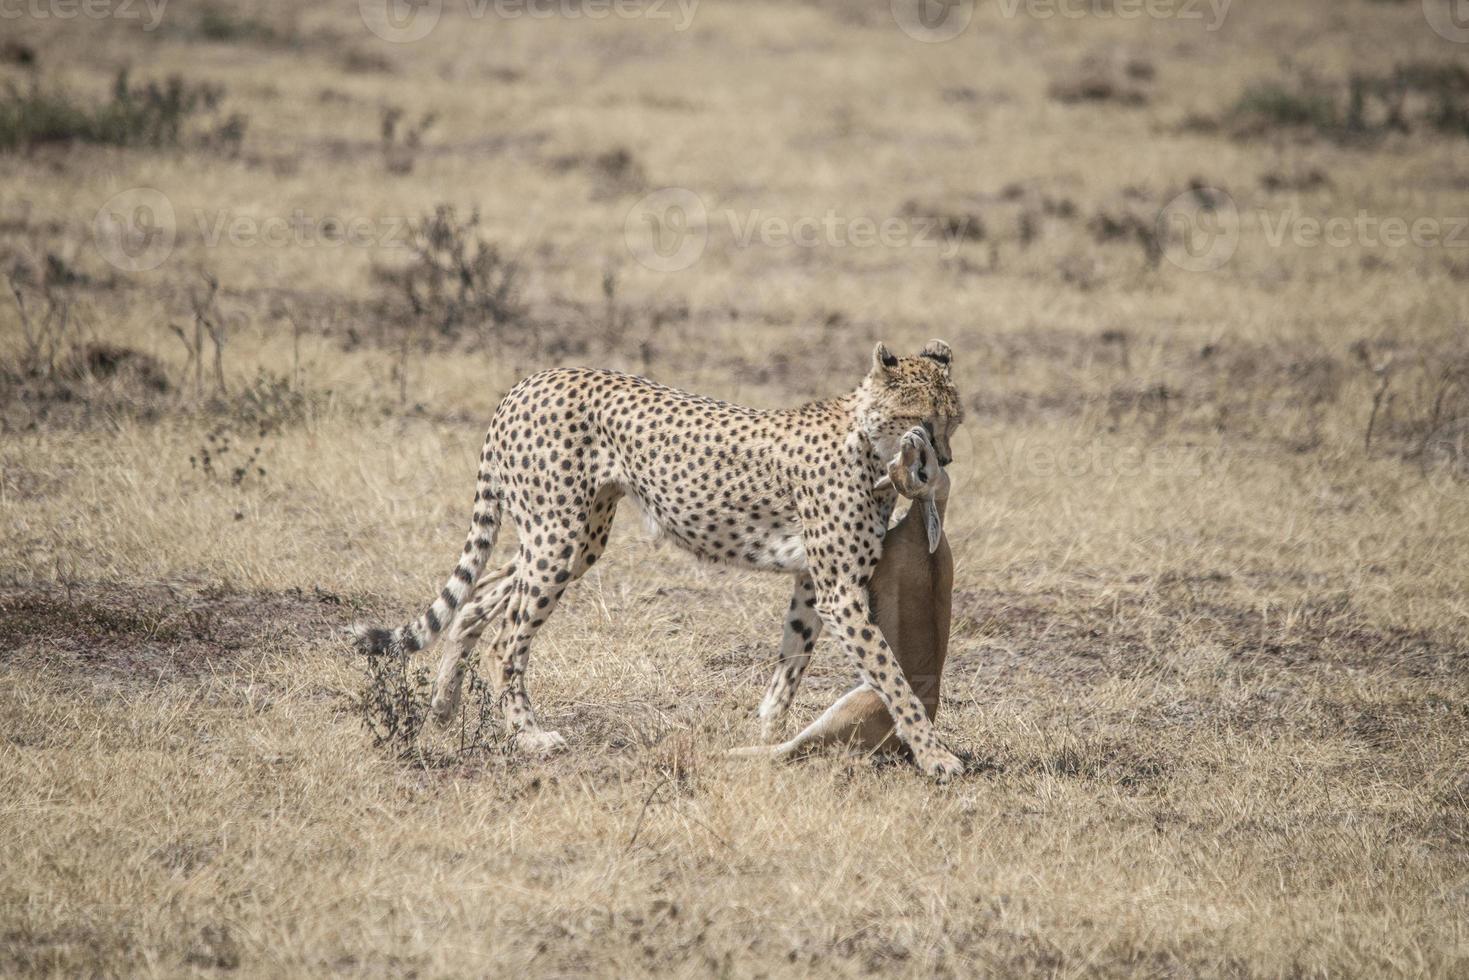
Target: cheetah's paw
[(444, 706), (941, 764), (540, 744)]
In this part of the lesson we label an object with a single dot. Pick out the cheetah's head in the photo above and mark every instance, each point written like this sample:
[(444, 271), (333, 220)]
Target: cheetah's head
[(901, 392)]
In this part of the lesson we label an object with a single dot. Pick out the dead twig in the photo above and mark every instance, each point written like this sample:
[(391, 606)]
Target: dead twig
[(1384, 376), (638, 827), (208, 321)]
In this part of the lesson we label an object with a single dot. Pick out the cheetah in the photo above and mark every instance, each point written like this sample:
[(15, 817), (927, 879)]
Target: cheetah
[(790, 491), (912, 595)]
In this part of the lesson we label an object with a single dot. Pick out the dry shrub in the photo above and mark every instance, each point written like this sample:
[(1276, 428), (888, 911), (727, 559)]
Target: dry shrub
[(458, 279), (1300, 180), (223, 24), (152, 114), (1419, 409), (393, 703), (952, 222), (1361, 107), (616, 171), (1098, 80), (402, 142)]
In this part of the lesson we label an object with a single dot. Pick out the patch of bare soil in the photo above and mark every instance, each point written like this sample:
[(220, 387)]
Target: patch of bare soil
[(157, 632), (1208, 659), (1133, 633)]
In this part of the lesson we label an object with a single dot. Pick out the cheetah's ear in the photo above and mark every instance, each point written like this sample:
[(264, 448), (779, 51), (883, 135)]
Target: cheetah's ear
[(940, 352), (883, 360)]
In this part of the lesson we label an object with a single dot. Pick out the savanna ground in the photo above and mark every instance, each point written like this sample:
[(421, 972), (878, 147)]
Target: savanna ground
[(1210, 515)]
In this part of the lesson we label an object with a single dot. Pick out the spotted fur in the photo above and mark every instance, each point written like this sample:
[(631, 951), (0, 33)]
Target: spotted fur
[(788, 491)]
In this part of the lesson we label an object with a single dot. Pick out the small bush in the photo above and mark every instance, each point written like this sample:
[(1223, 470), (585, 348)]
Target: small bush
[(402, 141), (1098, 80), (221, 24), (103, 361), (1362, 106), (1445, 87), (51, 333), (59, 371), (616, 171), (953, 223), (366, 61), (17, 53), (1271, 104), (393, 702), (152, 114), (458, 278), (393, 705)]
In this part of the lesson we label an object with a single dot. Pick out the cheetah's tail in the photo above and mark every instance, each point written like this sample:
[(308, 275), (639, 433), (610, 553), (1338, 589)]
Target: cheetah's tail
[(411, 637)]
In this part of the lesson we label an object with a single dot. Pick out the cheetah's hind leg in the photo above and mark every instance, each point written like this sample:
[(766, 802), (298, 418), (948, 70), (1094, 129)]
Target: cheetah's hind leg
[(560, 552), (491, 600)]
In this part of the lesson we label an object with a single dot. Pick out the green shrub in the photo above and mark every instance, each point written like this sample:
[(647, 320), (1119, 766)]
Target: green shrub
[(1363, 106), (219, 23), (1274, 104), (152, 114)]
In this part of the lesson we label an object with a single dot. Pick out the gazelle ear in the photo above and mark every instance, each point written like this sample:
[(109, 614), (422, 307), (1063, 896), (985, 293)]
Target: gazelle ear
[(883, 360), (937, 350), (933, 524)]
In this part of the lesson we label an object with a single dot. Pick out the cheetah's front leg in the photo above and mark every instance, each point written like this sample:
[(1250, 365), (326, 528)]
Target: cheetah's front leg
[(841, 563), (802, 627), (844, 606)]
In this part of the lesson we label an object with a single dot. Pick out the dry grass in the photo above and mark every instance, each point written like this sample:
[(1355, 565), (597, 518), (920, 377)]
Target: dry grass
[(1209, 662)]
